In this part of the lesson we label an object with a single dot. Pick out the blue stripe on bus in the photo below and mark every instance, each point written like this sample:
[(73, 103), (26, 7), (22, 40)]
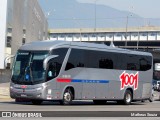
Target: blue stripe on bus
[(89, 81)]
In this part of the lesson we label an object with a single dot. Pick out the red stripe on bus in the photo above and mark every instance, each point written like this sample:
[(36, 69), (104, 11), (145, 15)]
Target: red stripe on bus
[(63, 80)]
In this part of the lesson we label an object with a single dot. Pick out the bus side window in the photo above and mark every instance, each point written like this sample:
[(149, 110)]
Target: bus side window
[(50, 71), (69, 66), (53, 70)]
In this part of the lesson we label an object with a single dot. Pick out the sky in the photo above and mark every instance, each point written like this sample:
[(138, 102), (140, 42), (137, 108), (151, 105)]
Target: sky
[(143, 8)]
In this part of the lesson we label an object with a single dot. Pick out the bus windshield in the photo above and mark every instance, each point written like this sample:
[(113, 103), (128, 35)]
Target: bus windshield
[(28, 67)]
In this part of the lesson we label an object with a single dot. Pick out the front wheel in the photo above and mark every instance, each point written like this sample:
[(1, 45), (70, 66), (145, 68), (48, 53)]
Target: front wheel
[(127, 97), (67, 97)]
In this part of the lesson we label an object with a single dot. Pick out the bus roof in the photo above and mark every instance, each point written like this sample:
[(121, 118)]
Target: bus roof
[(50, 44)]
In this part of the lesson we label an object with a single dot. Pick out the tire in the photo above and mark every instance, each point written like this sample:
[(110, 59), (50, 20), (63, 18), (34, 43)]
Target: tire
[(99, 102), (151, 99), (67, 97), (143, 101), (127, 97), (37, 102)]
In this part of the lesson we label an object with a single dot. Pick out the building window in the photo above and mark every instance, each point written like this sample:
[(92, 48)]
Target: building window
[(153, 34), (110, 35), (118, 35), (24, 31), (93, 35), (44, 34), (9, 41), (23, 41), (144, 34), (85, 36), (9, 30), (135, 34), (62, 36), (101, 35), (77, 36), (70, 36)]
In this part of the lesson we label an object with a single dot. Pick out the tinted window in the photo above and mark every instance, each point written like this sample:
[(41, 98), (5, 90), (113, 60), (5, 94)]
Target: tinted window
[(100, 59), (28, 67), (55, 64), (108, 60), (77, 58), (90, 59)]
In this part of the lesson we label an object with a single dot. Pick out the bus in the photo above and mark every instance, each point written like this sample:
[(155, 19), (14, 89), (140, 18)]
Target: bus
[(65, 71)]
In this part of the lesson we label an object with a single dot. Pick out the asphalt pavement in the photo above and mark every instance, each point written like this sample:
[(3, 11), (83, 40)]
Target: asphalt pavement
[(85, 110), (110, 108)]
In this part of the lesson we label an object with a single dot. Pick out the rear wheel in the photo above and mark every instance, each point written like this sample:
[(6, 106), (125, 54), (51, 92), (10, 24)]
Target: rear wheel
[(67, 97), (151, 99), (127, 97), (37, 102)]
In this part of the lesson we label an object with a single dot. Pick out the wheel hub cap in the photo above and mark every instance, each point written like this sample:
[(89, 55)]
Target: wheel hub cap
[(67, 97)]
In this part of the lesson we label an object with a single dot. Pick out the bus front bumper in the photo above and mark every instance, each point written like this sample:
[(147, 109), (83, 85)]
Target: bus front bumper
[(38, 93)]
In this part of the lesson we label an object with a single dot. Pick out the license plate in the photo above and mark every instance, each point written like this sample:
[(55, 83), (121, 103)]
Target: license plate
[(23, 95)]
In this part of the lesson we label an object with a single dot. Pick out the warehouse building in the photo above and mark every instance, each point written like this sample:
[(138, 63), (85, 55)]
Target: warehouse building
[(21, 21)]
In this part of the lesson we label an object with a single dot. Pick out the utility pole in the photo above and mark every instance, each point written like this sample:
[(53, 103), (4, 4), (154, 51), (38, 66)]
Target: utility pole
[(95, 19), (126, 32), (80, 29), (95, 24), (138, 39)]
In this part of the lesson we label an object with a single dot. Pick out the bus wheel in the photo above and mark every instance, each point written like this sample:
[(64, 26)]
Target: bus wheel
[(127, 97), (37, 102), (151, 99), (67, 97)]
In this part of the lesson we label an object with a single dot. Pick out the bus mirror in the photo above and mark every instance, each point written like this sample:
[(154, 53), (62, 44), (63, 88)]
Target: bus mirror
[(6, 60), (47, 59)]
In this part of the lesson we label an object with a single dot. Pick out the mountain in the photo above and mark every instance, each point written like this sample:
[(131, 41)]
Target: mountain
[(72, 14)]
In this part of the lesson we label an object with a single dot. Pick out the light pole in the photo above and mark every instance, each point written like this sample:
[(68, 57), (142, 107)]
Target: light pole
[(95, 19), (131, 8), (138, 39), (126, 31), (80, 32), (95, 15)]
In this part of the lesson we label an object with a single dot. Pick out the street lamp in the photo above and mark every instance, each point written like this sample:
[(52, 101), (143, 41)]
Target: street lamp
[(131, 8), (80, 32), (126, 31), (95, 19), (95, 10), (138, 38)]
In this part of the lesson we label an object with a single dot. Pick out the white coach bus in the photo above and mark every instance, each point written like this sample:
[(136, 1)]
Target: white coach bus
[(66, 71)]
